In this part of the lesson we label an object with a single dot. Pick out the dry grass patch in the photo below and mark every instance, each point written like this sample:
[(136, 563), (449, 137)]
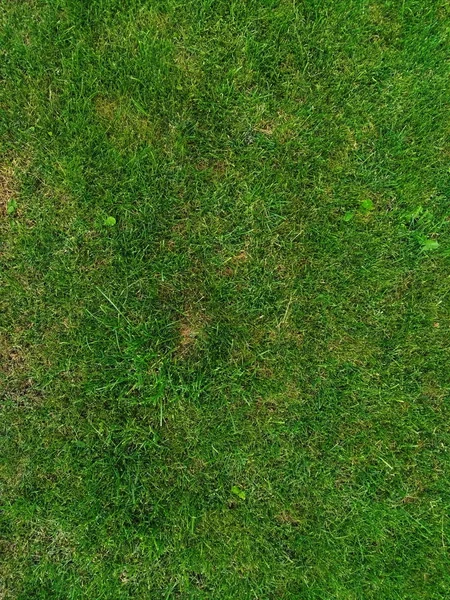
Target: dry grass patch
[(191, 331), (126, 126), (8, 186)]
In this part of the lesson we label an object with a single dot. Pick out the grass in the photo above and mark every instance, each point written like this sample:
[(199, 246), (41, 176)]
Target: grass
[(224, 299)]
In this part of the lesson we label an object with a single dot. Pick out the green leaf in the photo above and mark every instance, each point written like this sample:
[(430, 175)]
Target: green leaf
[(348, 216), (11, 208), (415, 214), (429, 245), (110, 221), (367, 205), (238, 492)]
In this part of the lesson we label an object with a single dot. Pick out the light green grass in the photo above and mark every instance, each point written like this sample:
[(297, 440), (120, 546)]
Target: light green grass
[(225, 299)]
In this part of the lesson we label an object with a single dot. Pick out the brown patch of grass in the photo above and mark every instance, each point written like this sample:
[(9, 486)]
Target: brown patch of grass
[(266, 406), (343, 154), (17, 384), (124, 578), (232, 263), (433, 391), (352, 350), (64, 206), (106, 107), (219, 167), (203, 165), (150, 18), (191, 330), (281, 126), (267, 128), (215, 169), (11, 357), (197, 466), (266, 372), (8, 186), (188, 65), (409, 500), (287, 518), (125, 35), (188, 333), (274, 407), (242, 256), (283, 335), (126, 125)]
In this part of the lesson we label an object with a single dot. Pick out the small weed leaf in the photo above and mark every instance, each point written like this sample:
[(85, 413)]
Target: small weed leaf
[(110, 221), (348, 216), (11, 208), (367, 205), (238, 492), (428, 245), (415, 214)]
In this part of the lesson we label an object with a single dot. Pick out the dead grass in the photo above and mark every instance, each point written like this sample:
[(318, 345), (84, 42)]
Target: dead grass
[(8, 186), (126, 126), (11, 356), (191, 330)]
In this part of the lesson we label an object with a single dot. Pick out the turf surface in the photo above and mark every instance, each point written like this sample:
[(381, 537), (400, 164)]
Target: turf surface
[(225, 299)]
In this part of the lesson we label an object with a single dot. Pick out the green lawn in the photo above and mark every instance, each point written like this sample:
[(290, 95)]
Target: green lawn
[(224, 305)]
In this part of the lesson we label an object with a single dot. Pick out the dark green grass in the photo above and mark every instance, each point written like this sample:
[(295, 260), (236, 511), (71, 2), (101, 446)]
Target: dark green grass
[(240, 389)]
